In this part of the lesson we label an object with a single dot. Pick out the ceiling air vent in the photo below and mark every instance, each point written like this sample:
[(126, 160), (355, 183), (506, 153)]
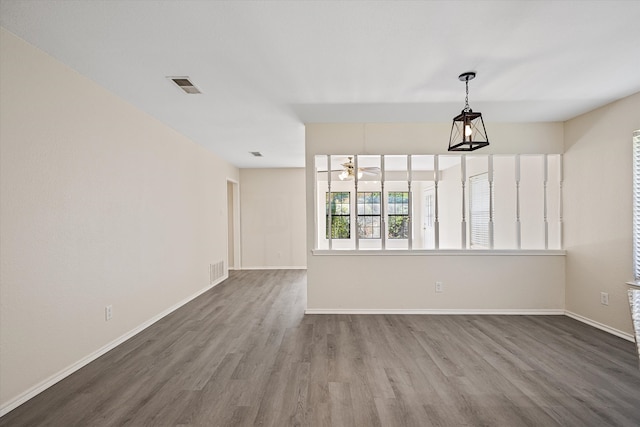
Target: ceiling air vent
[(185, 84), (256, 153)]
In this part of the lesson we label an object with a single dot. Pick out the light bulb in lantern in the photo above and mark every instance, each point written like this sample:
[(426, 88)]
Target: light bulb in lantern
[(467, 130)]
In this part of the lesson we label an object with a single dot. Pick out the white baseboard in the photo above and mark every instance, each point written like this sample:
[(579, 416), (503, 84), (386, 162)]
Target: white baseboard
[(282, 267), (506, 311), (42, 386), (601, 326)]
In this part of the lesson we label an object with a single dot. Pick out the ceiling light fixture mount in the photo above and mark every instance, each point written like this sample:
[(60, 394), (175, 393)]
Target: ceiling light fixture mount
[(467, 131)]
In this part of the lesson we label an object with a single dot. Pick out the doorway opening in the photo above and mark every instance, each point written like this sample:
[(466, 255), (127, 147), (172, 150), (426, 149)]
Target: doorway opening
[(233, 225)]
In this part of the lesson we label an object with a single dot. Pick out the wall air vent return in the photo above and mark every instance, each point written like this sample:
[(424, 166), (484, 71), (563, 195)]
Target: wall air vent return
[(216, 271), (185, 84)]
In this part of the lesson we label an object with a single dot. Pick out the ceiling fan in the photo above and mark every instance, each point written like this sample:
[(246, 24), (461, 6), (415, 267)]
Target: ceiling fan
[(349, 169)]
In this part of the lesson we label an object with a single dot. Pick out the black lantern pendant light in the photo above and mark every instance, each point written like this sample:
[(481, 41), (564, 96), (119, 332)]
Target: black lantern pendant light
[(467, 132)]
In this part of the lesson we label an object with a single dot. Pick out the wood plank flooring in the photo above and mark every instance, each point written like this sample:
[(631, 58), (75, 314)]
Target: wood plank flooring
[(244, 354)]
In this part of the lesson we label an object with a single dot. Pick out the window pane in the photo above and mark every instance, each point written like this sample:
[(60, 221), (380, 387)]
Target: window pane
[(340, 216), (398, 214), (398, 227), (340, 226), (364, 228), (368, 219)]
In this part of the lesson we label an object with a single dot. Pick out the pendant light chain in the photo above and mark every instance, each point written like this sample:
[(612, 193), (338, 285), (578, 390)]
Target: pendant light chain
[(466, 98)]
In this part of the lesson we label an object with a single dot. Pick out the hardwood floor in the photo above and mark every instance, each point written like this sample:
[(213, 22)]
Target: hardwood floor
[(244, 354)]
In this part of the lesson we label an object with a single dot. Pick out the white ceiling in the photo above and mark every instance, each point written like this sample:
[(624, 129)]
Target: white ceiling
[(266, 68)]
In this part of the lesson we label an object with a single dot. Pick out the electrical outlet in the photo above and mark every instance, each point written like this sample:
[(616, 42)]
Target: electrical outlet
[(108, 312), (604, 298), (439, 287)]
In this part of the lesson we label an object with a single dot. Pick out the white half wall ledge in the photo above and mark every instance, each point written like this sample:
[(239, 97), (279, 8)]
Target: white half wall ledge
[(438, 252), (59, 376), (282, 267)]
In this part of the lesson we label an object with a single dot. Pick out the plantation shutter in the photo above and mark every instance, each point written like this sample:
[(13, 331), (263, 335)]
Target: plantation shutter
[(636, 205), (479, 211)]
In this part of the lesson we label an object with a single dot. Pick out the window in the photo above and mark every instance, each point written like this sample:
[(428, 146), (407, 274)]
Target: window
[(636, 205), (479, 211), (369, 215), (398, 209), (340, 215)]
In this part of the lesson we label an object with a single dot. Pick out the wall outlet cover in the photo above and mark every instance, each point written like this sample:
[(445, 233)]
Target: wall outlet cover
[(604, 298)]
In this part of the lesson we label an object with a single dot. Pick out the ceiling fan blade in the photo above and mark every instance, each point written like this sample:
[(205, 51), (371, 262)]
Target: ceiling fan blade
[(371, 171)]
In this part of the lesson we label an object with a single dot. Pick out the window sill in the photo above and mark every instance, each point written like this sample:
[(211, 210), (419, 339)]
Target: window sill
[(439, 252), (634, 283)]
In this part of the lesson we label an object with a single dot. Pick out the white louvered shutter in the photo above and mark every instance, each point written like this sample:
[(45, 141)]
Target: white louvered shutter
[(479, 211), (636, 205)]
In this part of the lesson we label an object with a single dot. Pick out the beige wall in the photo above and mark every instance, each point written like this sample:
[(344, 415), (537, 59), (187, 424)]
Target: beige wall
[(101, 204), (598, 211), (272, 206), (427, 138), (406, 282), (471, 283)]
